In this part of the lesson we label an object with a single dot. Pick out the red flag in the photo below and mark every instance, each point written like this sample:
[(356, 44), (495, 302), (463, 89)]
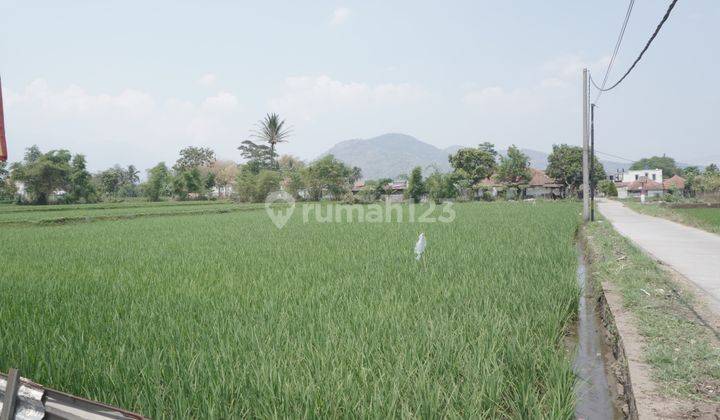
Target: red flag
[(3, 143)]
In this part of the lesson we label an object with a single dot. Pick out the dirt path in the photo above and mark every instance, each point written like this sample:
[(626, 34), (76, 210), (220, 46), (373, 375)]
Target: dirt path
[(692, 252)]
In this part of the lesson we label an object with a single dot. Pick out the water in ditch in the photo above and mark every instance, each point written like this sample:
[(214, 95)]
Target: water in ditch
[(594, 391)]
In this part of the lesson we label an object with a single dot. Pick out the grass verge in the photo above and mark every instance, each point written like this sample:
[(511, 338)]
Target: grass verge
[(707, 219), (682, 351)]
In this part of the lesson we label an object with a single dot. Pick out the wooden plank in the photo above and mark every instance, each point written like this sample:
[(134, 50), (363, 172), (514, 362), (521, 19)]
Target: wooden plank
[(11, 390)]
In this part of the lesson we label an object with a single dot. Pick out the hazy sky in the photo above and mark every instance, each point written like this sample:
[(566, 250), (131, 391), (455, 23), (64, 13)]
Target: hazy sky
[(134, 81)]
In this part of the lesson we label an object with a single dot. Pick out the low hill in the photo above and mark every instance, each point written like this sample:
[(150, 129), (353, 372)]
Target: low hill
[(393, 154), (390, 155)]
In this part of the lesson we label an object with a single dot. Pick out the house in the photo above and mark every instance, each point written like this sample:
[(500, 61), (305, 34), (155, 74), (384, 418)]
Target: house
[(647, 181), (635, 175), (542, 185), (395, 191), (22, 193), (639, 187), (675, 183), (357, 186), (634, 183)]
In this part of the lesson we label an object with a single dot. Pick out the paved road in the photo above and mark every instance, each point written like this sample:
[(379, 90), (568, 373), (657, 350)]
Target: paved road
[(692, 252)]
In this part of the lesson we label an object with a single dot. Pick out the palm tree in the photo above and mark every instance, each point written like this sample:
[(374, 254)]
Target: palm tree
[(272, 131)]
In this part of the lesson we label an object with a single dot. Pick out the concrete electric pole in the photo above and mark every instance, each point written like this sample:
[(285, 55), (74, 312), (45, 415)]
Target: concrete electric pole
[(585, 157)]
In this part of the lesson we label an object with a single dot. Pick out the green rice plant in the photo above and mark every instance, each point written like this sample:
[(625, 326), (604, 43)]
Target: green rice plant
[(52, 215), (226, 316), (705, 217)]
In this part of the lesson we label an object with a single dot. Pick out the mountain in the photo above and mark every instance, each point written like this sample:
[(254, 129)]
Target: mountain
[(390, 155), (393, 154)]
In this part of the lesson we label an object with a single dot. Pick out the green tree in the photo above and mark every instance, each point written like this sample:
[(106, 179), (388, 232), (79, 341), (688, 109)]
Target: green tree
[(179, 187), (291, 170), (110, 180), (193, 157), (42, 174), (514, 169), (257, 156), (268, 181), (416, 186), (355, 174), (7, 187), (193, 181), (475, 164), (708, 182), (289, 163), (210, 182), (440, 187), (293, 183), (565, 166), (129, 180), (711, 169), (327, 174), (272, 130), (118, 182), (608, 188), (690, 171), (666, 163), (157, 183), (80, 187), (246, 184)]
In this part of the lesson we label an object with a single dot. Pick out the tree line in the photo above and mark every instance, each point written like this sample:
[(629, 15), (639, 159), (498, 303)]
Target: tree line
[(61, 177), (473, 165)]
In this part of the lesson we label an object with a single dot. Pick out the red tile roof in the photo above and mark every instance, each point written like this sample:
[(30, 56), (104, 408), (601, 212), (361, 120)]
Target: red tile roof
[(646, 185), (357, 186), (676, 181), (488, 182), (540, 179)]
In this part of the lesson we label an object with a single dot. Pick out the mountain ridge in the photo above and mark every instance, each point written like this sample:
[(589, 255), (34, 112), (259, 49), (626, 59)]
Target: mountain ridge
[(392, 154)]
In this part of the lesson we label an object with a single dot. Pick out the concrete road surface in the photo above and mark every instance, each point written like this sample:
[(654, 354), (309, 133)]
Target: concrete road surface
[(694, 253)]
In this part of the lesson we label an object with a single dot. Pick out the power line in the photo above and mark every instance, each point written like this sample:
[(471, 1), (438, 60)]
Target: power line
[(647, 45), (615, 51), (616, 157)]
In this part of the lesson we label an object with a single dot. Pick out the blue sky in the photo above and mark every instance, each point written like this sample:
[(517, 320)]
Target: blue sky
[(133, 82)]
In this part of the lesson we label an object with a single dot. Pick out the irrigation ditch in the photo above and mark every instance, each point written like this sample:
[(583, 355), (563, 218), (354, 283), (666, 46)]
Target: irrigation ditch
[(600, 391)]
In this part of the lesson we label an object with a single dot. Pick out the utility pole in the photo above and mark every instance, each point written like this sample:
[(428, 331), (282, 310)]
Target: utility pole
[(3, 143), (592, 162), (586, 170)]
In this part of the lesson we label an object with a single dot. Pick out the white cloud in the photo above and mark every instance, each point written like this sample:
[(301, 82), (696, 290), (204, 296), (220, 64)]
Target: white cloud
[(566, 70), (207, 79), (544, 112), (222, 102), (340, 16), (308, 96), (128, 127), (75, 101), (560, 79)]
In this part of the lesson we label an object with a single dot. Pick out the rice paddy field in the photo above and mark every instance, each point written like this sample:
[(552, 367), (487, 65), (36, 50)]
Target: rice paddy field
[(226, 316), (707, 216), (15, 215)]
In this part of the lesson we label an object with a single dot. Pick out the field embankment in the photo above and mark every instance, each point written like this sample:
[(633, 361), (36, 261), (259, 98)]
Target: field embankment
[(63, 214), (224, 315)]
